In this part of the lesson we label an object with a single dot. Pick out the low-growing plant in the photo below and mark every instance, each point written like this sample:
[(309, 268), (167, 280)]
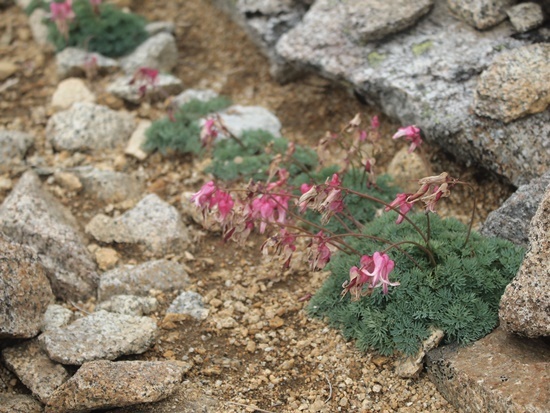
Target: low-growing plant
[(92, 25), (250, 157), (180, 131), (440, 275)]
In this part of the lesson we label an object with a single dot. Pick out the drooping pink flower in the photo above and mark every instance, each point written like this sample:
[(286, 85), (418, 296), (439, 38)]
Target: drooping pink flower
[(411, 134), (319, 251), (203, 197), (373, 272), (209, 132), (225, 204), (62, 14), (269, 209), (374, 122), (144, 78), (400, 201)]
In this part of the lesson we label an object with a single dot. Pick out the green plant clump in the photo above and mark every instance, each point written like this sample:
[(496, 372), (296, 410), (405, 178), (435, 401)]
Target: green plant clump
[(460, 295), (112, 32), (182, 134), (252, 157)]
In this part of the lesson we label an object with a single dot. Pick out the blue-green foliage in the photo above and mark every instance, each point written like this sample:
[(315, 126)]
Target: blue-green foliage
[(460, 295), (112, 33), (182, 135), (251, 160)]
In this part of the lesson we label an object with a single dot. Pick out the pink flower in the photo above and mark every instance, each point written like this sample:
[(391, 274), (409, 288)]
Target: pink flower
[(209, 132), (305, 188), (412, 134), (203, 197), (62, 14), (225, 204), (319, 251), (400, 201), (374, 123), (144, 77), (373, 272)]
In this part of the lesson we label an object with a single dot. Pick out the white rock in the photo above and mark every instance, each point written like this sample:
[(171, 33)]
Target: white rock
[(137, 140), (158, 52), (238, 119), (164, 85), (70, 91)]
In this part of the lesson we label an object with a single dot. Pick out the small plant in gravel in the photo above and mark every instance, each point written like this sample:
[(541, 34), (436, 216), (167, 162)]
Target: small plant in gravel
[(180, 131), (92, 25), (405, 273)]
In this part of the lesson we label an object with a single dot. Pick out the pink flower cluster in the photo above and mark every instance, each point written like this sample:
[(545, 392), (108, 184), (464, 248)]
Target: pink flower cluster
[(62, 14), (432, 189), (373, 272), (144, 78), (327, 199)]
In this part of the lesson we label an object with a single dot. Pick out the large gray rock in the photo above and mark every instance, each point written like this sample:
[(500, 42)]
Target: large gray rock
[(106, 384), (72, 61), (100, 335), (525, 304), (108, 186), (19, 403), (426, 76), (481, 14), (500, 373), (35, 369), (152, 222), (161, 275), (190, 94), (25, 291), (516, 84), (375, 19), (56, 316), (87, 127), (511, 220), (13, 147), (157, 52), (32, 216)]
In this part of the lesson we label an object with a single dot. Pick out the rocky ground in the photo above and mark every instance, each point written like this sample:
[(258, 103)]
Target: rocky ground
[(256, 350)]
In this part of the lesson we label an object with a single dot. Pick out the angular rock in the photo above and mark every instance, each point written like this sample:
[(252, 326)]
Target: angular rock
[(162, 275), (481, 14), (426, 76), (35, 369), (525, 304), (516, 84), (56, 316), (158, 27), (152, 222), (375, 19), (100, 335), (189, 302), (87, 127), (511, 220), (238, 119), (500, 373), (165, 85), (190, 94), (25, 291), (108, 186), (525, 16), (106, 384), (129, 305), (13, 147), (6, 69), (72, 61), (38, 28), (158, 52), (19, 403), (32, 216), (106, 258), (69, 91), (137, 139), (67, 180)]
